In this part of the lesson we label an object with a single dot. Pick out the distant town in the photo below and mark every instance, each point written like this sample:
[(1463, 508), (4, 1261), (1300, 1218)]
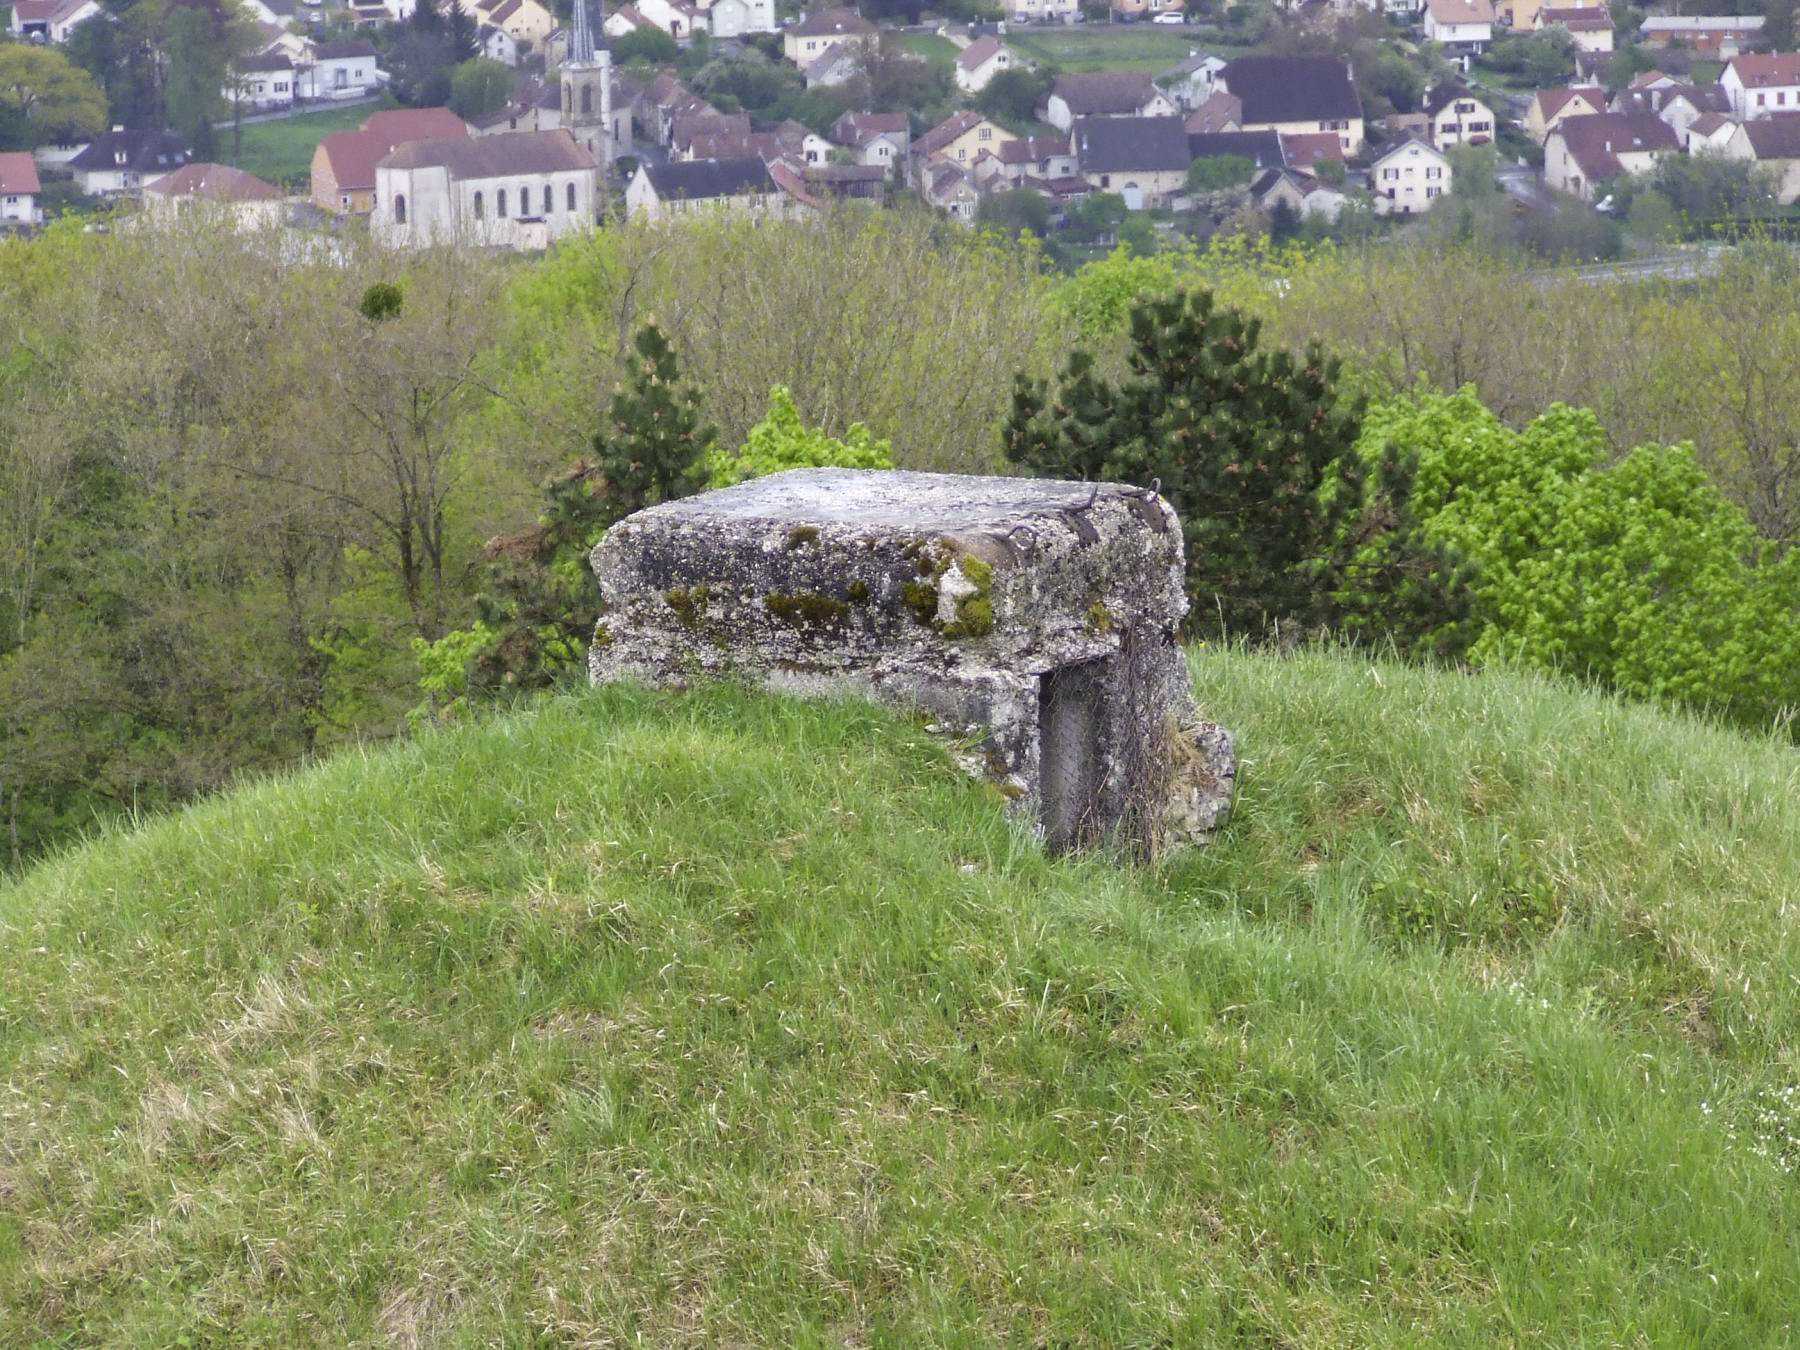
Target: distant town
[(506, 124)]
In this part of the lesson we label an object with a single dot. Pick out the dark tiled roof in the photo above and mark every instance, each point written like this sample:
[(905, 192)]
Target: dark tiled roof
[(827, 22), (1032, 149), (1443, 95), (1128, 144), (1104, 93), (1595, 143), (494, 156), (1293, 88), (705, 179), (1776, 136), (1261, 148), (145, 152), (978, 51)]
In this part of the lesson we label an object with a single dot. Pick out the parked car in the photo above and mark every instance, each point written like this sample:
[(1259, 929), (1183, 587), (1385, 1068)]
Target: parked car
[(1174, 18)]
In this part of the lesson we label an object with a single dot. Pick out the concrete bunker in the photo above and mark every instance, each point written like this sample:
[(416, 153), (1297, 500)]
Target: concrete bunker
[(1036, 621)]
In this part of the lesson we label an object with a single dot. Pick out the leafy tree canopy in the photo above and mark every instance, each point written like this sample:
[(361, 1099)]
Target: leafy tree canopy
[(45, 98)]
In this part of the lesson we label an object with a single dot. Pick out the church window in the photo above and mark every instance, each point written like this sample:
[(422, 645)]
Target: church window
[(478, 206), (399, 208), (500, 204), (571, 196), (587, 100), (549, 205), (568, 99)]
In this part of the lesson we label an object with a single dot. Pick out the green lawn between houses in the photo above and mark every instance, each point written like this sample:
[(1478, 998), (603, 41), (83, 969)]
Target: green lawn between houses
[(1130, 47), (718, 1018), (281, 150)]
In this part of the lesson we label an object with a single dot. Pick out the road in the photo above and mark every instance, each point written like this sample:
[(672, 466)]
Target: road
[(1523, 184)]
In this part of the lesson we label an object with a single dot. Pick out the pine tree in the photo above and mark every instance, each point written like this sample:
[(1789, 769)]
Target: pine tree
[(1284, 525), (542, 602)]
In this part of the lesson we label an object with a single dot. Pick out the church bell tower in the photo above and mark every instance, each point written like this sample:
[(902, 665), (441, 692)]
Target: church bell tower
[(587, 90)]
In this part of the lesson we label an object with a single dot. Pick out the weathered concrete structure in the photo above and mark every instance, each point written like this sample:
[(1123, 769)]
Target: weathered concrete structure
[(1037, 619)]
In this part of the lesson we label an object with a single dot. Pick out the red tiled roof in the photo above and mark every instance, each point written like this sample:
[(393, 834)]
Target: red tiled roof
[(19, 175), (1760, 70), (214, 182), (400, 125)]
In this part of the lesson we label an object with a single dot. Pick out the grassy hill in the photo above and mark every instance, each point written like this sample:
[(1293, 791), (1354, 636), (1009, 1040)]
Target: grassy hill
[(721, 1018)]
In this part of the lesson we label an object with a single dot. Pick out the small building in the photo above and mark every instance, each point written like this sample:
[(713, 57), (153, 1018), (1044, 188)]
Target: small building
[(1409, 178), (1457, 117), (50, 21), (1584, 153), (837, 65), (1760, 83), (1590, 29), (1043, 11), (340, 70), (1145, 160), (809, 39), (951, 188), (1293, 94), (520, 191), (1708, 134), (497, 44), (528, 23), (979, 62), (1300, 192), (734, 18), (1676, 104), (1191, 83), (731, 186), (1550, 108), (876, 138), (678, 18), (123, 161), (1104, 93), (1773, 143), (1048, 158), (1463, 27), (250, 202), (1720, 34), (19, 189), (263, 83)]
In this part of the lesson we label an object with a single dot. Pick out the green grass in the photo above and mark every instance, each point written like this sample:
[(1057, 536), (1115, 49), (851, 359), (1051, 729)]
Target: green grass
[(281, 151), (1137, 47), (939, 53), (718, 1018)]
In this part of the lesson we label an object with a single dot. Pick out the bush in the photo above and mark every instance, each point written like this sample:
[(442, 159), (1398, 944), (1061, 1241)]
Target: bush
[(782, 441)]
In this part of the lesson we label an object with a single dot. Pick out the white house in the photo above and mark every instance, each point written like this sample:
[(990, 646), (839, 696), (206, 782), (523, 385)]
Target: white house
[(821, 30), (874, 138), (51, 20), (979, 62), (339, 70), (1760, 83), (677, 18), (251, 203), (1590, 28), (263, 83), (1461, 25), (734, 18), (1583, 152), (123, 161), (1709, 133), (731, 186), (19, 188), (1409, 178), (949, 187), (498, 45), (1773, 142), (836, 65), (1191, 83), (520, 191), (1458, 117), (1106, 93)]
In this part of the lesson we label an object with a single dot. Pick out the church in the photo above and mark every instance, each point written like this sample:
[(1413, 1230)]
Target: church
[(520, 190), (587, 91)]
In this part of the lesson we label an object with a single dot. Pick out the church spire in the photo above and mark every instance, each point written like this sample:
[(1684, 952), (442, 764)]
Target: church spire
[(581, 40)]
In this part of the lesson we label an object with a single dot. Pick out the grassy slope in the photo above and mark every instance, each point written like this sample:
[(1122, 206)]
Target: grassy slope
[(281, 150), (1139, 47), (939, 53), (727, 1019)]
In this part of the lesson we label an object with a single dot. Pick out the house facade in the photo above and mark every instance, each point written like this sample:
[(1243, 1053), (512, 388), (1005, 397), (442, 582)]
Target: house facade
[(1551, 107), (1145, 160), (960, 139), (1773, 143), (123, 161), (1457, 117), (1761, 83), (1465, 27), (1584, 154), (247, 200), (883, 139), (1723, 34), (1109, 93), (979, 62), (730, 186), (264, 83), (1409, 178), (50, 20), (520, 191), (734, 18), (339, 70), (19, 188), (1591, 30), (809, 39)]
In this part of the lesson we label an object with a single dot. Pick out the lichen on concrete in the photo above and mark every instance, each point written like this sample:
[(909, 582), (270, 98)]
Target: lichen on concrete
[(1036, 620)]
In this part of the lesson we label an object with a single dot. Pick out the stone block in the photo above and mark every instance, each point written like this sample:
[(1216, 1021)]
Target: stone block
[(1035, 621)]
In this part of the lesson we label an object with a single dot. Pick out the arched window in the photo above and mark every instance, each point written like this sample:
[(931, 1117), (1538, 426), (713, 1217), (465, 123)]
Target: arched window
[(500, 204), (568, 99), (399, 208), (549, 204), (587, 100), (478, 206), (571, 196)]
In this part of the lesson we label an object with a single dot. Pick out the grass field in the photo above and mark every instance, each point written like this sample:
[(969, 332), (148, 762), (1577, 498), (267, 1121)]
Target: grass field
[(281, 151), (938, 52), (1133, 47), (720, 1019)]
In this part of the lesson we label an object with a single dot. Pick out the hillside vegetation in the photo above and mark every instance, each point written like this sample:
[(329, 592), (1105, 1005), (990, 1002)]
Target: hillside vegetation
[(719, 1018)]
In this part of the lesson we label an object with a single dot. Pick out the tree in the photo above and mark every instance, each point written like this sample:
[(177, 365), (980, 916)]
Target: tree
[(1138, 234), (648, 46), (782, 441), (1285, 526), (1711, 187), (479, 86), (1014, 211), (55, 100), (1216, 173), (1778, 25), (1012, 97), (1096, 215), (541, 603)]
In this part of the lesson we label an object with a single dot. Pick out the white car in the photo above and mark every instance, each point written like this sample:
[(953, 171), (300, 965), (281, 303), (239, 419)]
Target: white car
[(1175, 18)]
